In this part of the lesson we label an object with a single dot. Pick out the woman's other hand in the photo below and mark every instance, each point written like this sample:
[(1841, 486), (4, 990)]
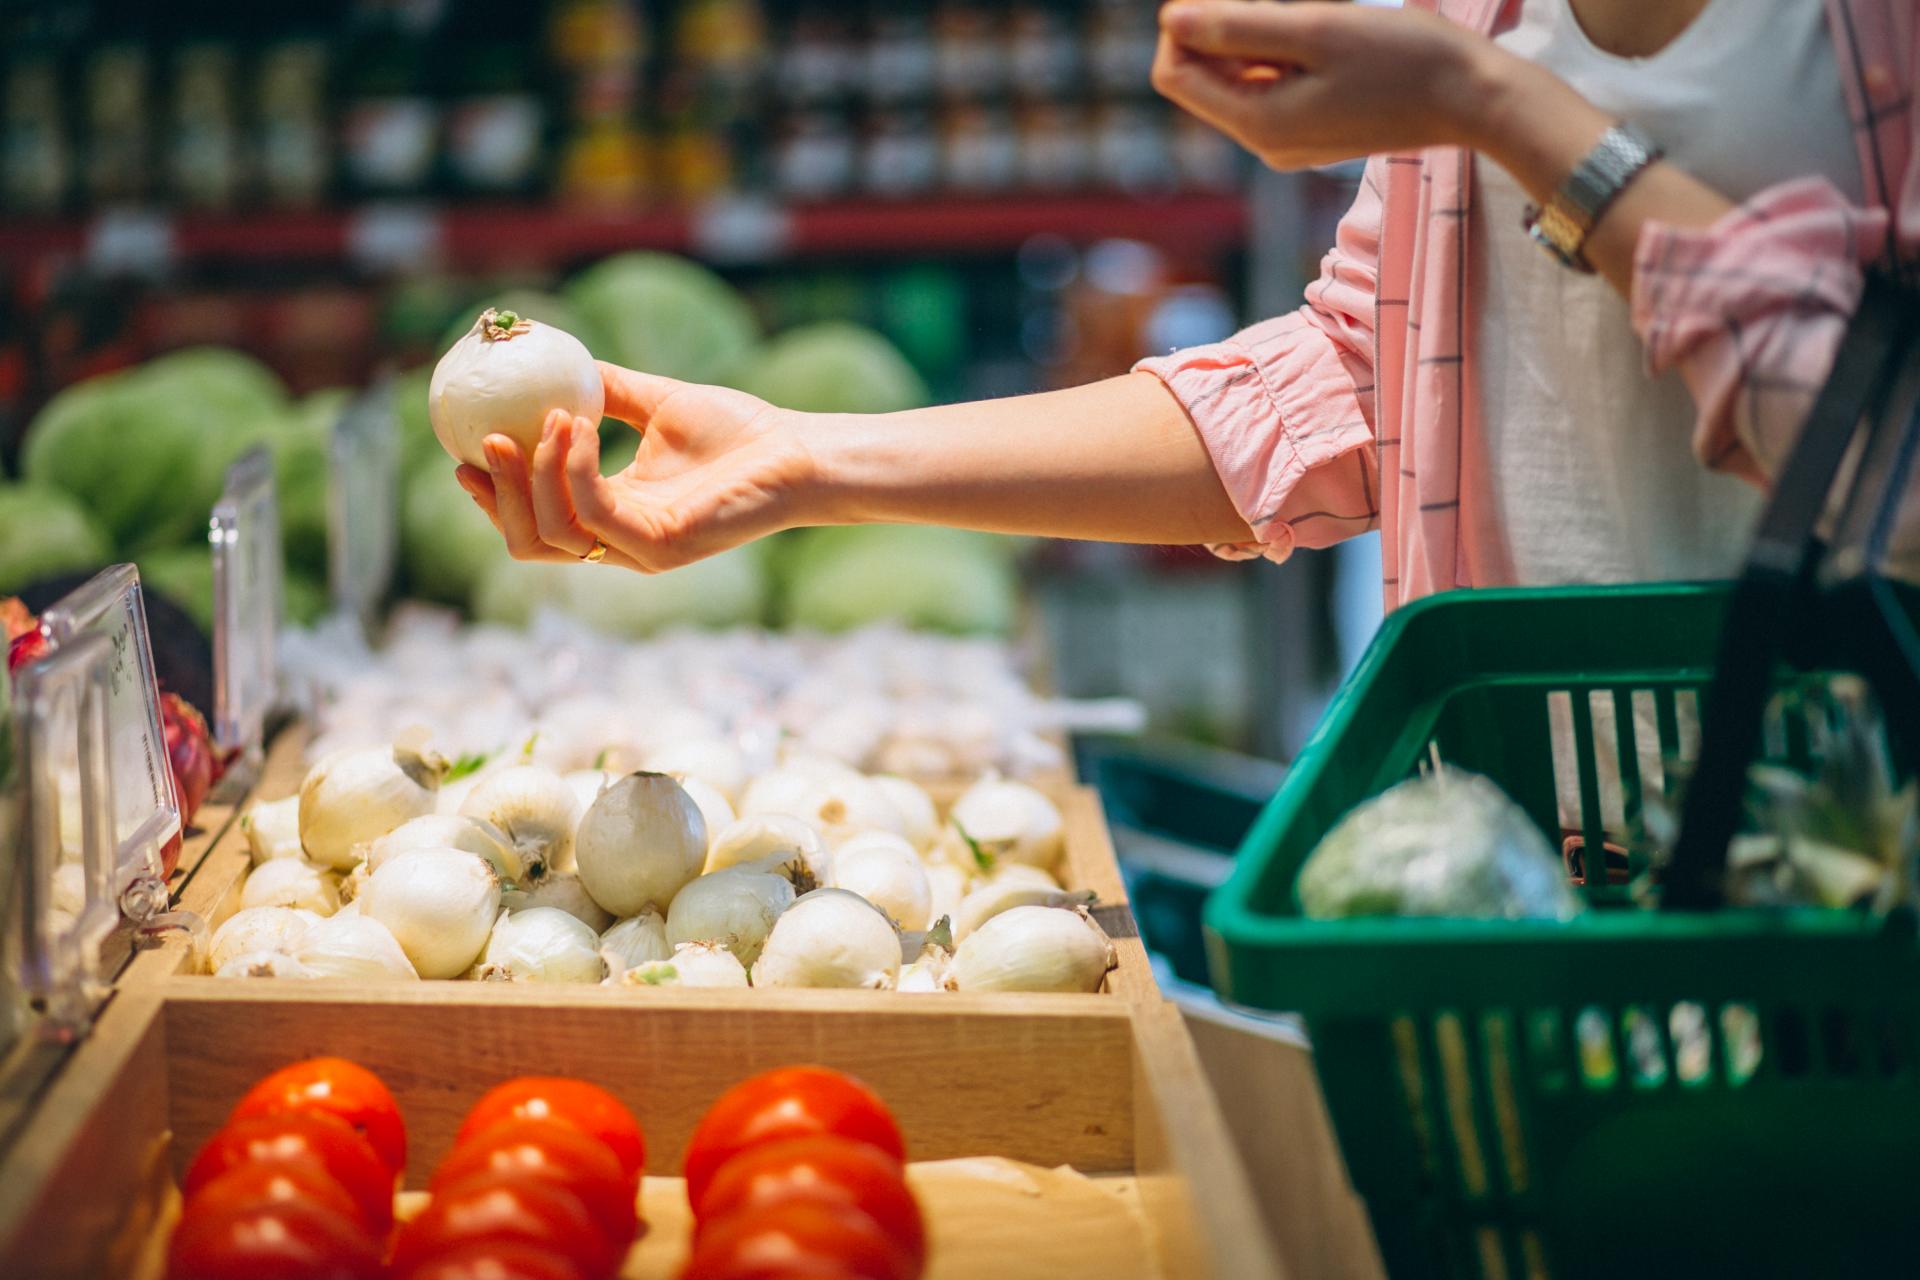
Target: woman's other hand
[(715, 468), (1308, 83)]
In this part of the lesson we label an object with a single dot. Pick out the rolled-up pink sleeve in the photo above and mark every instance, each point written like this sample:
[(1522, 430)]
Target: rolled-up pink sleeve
[(1285, 407), (1751, 311)]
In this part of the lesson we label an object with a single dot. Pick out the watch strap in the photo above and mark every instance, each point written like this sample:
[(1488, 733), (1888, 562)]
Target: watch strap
[(1561, 227)]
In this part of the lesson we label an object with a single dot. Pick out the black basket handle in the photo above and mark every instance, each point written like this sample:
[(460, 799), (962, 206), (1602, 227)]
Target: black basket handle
[(1774, 595)]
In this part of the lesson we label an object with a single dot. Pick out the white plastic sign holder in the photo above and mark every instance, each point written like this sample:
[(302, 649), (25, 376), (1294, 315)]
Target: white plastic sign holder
[(244, 536), (145, 811), (363, 506), (62, 723)]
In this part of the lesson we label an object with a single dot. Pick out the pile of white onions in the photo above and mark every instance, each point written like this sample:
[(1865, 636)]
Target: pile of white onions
[(718, 705), (807, 874)]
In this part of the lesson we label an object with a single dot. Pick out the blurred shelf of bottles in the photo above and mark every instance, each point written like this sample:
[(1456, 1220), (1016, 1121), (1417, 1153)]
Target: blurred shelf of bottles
[(586, 105)]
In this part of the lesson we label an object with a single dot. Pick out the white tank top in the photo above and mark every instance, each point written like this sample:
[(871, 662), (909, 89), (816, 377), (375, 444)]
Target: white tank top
[(1592, 471)]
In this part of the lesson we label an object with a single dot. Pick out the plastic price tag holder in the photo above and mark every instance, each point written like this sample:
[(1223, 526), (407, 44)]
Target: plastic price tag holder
[(362, 505), (62, 791), (244, 534), (146, 813)]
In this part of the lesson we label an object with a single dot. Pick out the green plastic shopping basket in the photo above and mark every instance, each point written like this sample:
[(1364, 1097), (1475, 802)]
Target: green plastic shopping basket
[(1633, 1093)]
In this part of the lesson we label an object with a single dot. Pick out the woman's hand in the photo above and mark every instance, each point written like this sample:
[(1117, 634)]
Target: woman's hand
[(715, 468), (1309, 83)]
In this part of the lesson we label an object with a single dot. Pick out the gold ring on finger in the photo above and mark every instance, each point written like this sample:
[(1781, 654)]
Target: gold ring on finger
[(596, 553)]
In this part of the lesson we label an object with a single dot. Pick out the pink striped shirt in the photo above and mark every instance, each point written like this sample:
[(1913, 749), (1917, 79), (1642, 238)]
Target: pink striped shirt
[(1358, 410)]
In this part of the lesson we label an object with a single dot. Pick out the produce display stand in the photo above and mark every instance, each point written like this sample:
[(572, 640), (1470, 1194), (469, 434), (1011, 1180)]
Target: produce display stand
[(1110, 1087), (212, 885), (1055, 1135)]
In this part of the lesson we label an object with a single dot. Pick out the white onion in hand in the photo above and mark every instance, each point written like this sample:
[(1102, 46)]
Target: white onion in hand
[(505, 377)]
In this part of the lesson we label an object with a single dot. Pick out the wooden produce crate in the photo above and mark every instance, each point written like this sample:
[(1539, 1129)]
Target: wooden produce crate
[(33, 1059), (993, 1102), (211, 887)]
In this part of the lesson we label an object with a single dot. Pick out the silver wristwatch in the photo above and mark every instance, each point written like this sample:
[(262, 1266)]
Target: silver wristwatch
[(1561, 227)]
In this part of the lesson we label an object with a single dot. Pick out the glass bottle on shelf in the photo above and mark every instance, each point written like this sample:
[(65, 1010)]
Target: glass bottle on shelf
[(203, 151), (971, 54), (693, 151), (1121, 36), (819, 60), (900, 66), (390, 123), (1044, 51), (605, 160), (1053, 146), (36, 154), (901, 156), (979, 150), (117, 108), (816, 156), (294, 151), (598, 50), (1133, 147), (496, 124)]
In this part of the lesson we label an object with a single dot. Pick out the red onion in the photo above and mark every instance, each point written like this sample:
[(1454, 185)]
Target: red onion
[(189, 752)]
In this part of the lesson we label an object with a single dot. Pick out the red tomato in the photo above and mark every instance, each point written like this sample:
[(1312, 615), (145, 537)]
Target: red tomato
[(798, 1238), (499, 1260), (338, 1088), (556, 1153), (820, 1167), (495, 1207), (287, 1240), (791, 1102), (273, 1182), (347, 1157), (587, 1107)]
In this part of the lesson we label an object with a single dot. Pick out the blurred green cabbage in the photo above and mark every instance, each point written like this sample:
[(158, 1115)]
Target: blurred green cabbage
[(664, 315), (44, 532)]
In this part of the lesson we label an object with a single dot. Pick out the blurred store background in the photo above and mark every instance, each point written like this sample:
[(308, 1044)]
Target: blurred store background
[(990, 186)]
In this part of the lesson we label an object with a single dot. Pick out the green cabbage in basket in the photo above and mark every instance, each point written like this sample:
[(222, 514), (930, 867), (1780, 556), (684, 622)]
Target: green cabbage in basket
[(1447, 844)]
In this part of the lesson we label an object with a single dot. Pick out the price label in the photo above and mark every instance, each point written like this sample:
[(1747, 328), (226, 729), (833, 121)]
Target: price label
[(145, 811), (362, 504), (741, 230), (245, 537), (133, 242), (392, 237)]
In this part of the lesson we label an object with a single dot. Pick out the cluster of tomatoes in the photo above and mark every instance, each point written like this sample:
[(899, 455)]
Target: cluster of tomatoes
[(299, 1185), (796, 1174), (799, 1174)]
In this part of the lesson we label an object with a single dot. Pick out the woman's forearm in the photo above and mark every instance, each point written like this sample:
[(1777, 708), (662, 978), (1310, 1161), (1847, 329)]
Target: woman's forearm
[(1114, 461), (1537, 127)]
